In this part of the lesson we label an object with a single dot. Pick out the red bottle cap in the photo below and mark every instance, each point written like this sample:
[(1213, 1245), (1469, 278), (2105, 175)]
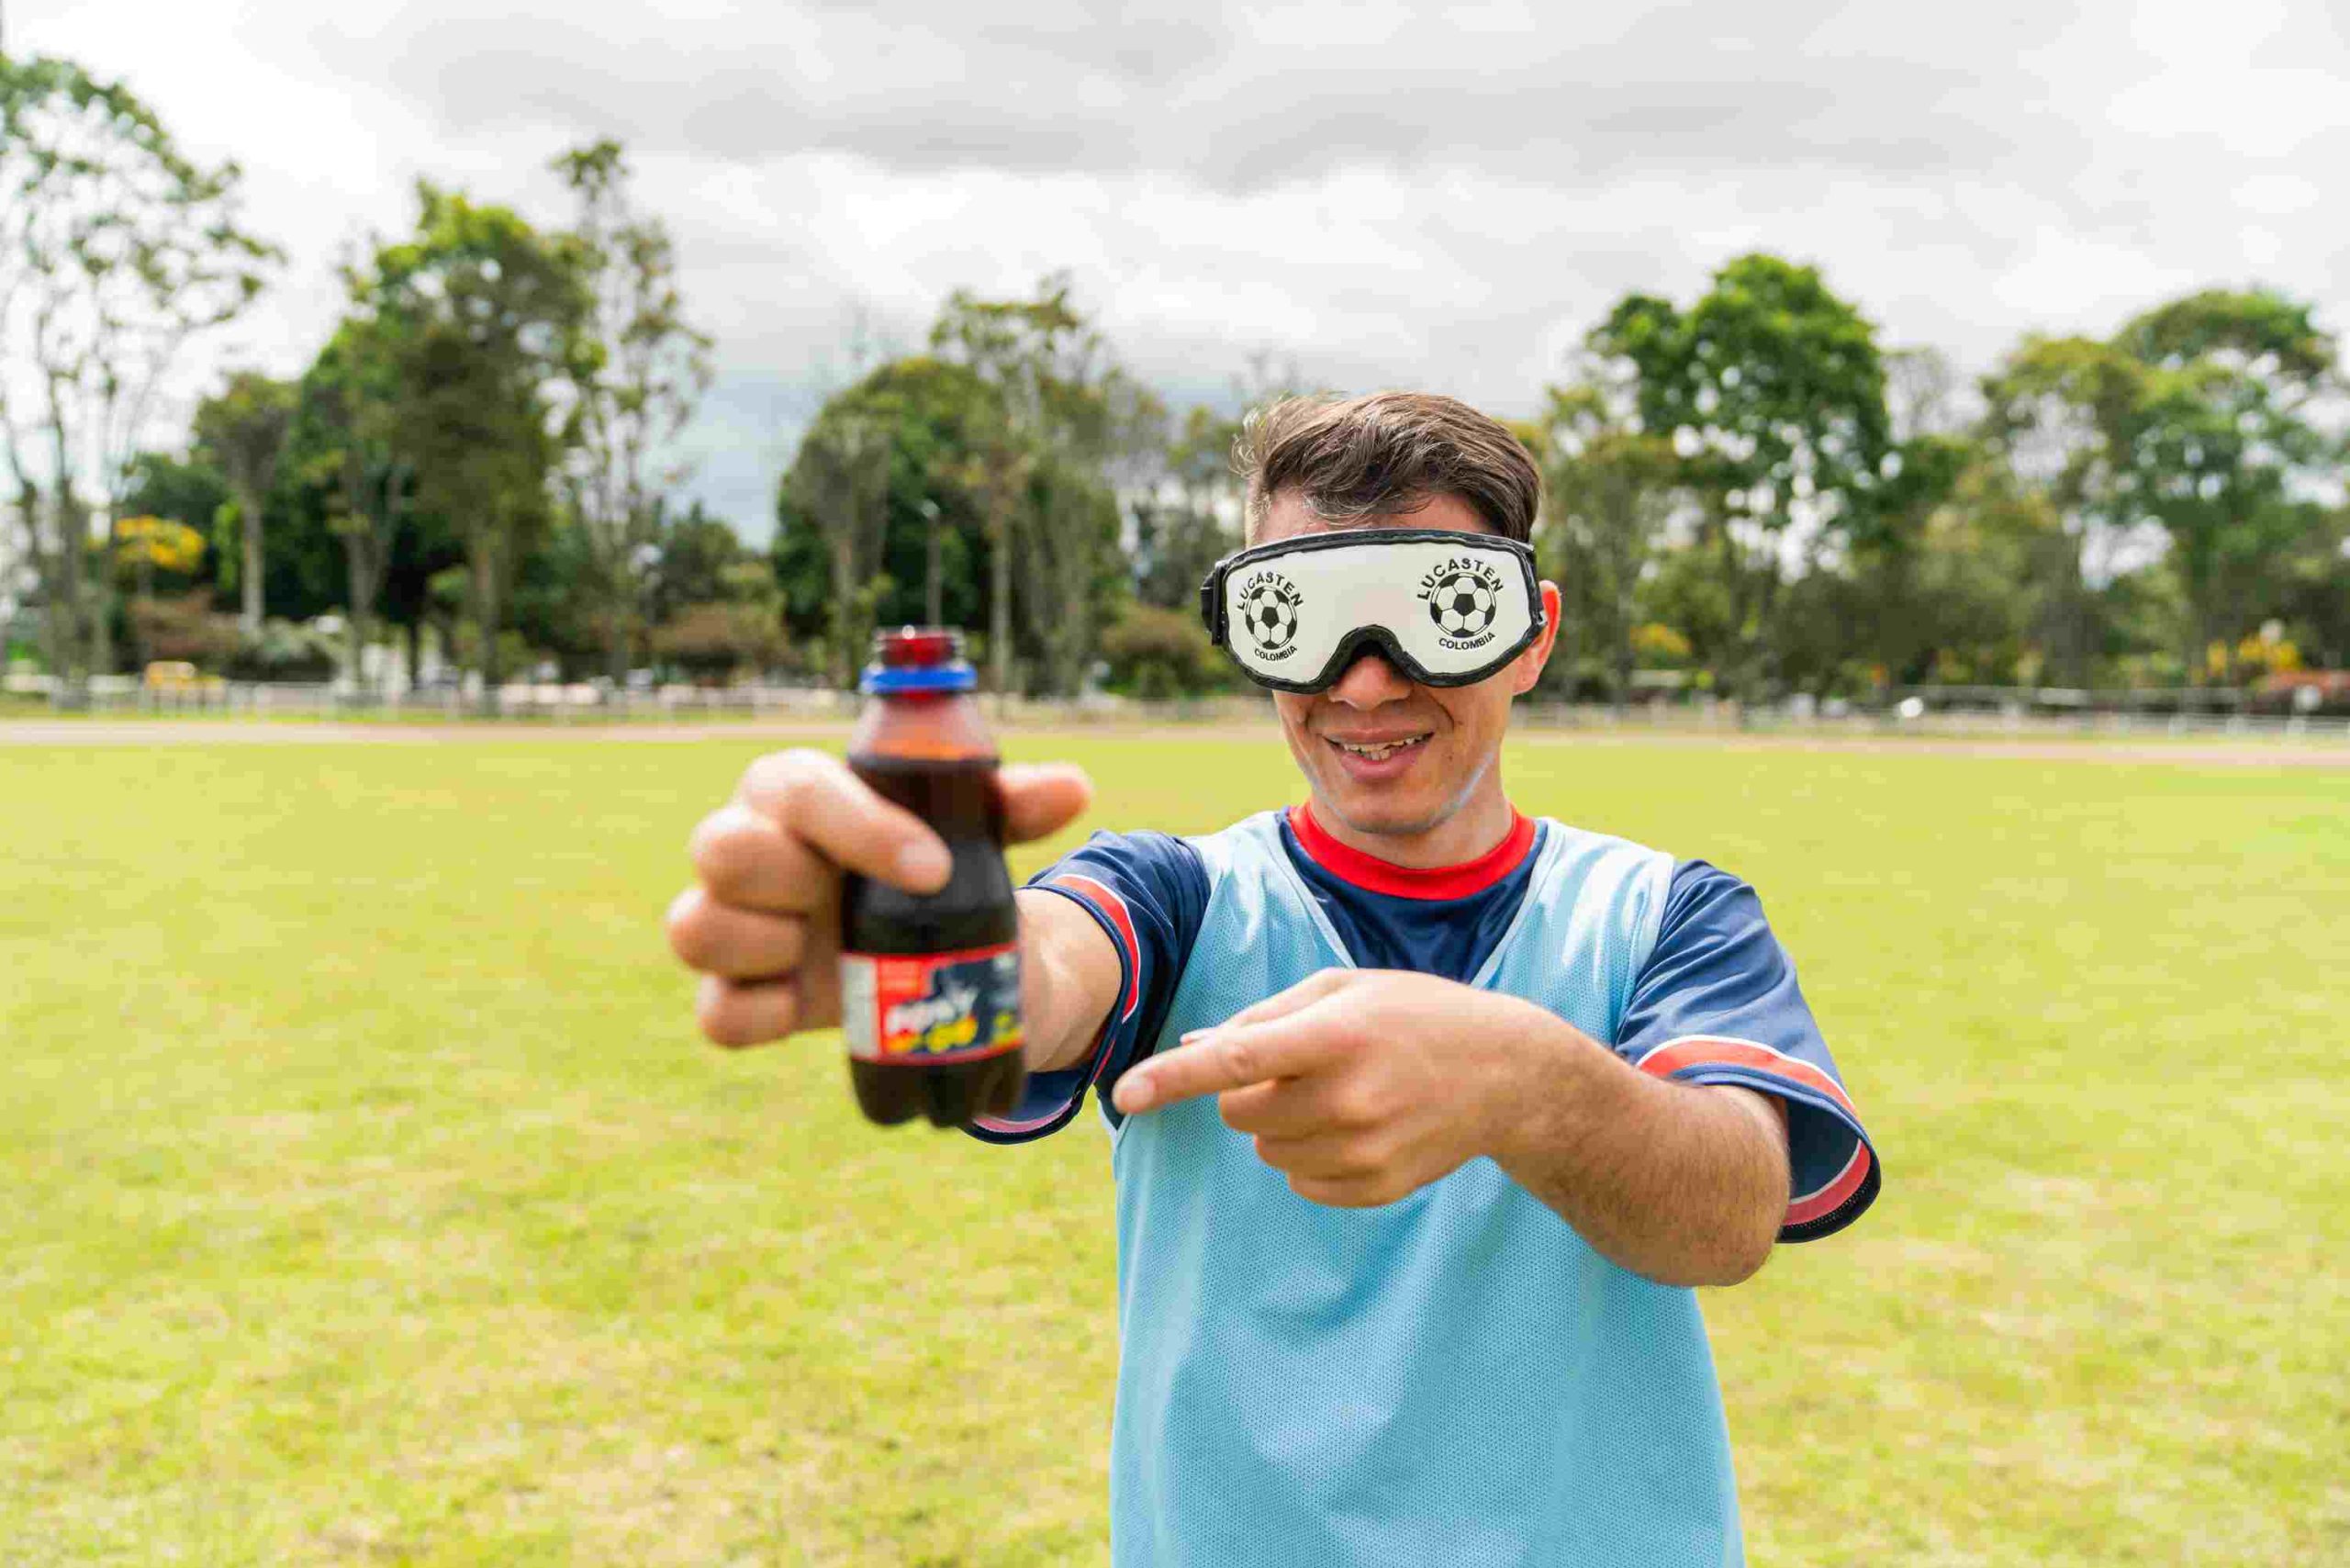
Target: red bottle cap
[(913, 647)]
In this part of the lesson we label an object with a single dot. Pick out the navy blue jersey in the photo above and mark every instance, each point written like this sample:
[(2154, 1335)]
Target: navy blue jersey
[(1715, 1000)]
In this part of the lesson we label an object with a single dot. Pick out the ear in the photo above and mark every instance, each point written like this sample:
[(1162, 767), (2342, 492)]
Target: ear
[(1527, 667)]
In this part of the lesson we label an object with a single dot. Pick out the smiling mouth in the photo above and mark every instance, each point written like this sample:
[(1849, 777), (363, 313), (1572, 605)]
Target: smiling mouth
[(1377, 751)]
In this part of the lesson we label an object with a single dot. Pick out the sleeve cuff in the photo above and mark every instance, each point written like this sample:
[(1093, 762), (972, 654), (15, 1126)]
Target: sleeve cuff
[(1833, 1192), (1052, 1100)]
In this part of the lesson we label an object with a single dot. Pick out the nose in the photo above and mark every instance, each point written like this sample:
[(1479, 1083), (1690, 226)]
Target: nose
[(1370, 681)]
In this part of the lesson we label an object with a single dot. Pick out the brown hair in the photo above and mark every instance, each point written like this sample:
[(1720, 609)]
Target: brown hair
[(1389, 452)]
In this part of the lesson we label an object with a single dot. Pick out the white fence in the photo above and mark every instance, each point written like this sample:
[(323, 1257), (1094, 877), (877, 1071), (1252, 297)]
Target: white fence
[(1968, 711)]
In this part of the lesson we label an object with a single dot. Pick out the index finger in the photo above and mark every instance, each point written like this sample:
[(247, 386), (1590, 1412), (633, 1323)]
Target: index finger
[(816, 800), (1231, 1057)]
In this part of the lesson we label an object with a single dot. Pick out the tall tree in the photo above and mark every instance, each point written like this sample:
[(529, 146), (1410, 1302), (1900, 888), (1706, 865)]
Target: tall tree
[(1772, 391), (934, 529), (640, 372), (1610, 492), (242, 429), (2197, 420), (115, 250), (482, 315), (840, 481), (1045, 364), (2230, 452), (343, 444)]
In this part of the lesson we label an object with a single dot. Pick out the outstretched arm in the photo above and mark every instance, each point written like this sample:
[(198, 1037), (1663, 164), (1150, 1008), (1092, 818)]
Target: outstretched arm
[(1362, 1086)]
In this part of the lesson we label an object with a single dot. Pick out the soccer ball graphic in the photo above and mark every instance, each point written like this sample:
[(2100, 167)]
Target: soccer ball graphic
[(1462, 605), (1271, 619)]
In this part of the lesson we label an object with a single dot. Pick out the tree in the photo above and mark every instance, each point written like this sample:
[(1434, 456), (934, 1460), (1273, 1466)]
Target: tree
[(1610, 489), (2196, 420), (641, 371), (933, 523), (693, 553), (1183, 530), (481, 315), (840, 481), (1771, 390), (114, 251), (242, 430), (1057, 405), (145, 545), (343, 446), (2227, 453)]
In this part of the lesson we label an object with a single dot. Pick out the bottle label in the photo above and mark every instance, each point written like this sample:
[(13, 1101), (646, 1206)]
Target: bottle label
[(908, 1009)]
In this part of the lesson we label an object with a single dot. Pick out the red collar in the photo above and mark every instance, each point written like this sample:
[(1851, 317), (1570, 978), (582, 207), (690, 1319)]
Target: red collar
[(1374, 875)]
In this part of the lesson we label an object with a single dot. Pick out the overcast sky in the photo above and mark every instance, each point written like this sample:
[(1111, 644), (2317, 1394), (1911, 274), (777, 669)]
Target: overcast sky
[(1386, 195)]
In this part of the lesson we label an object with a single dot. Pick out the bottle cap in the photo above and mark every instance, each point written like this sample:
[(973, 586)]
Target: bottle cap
[(909, 659)]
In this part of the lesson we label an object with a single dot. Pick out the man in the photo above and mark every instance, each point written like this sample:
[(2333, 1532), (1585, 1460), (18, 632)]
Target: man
[(1425, 1116)]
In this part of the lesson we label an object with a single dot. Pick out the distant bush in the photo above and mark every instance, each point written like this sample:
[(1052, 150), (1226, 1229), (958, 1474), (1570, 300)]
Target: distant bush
[(184, 626), (1155, 654), (719, 638), (283, 651)]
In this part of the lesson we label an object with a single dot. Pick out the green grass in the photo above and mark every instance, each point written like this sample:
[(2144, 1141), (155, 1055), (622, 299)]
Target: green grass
[(365, 1198)]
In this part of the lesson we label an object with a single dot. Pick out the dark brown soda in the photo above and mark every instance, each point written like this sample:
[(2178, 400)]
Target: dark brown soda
[(929, 753), (976, 909)]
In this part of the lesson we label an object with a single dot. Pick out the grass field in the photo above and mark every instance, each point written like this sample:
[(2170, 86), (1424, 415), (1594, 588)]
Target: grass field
[(365, 1196)]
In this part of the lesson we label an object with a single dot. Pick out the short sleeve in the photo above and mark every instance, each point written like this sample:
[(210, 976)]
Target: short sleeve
[(1148, 893), (1717, 1003)]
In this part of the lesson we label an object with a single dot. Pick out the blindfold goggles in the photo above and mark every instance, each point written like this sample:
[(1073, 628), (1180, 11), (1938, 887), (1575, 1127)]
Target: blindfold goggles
[(1446, 609)]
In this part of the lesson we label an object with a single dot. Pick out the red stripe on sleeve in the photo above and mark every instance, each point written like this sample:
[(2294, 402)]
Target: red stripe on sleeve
[(1696, 1050), (1112, 909), (1832, 1197)]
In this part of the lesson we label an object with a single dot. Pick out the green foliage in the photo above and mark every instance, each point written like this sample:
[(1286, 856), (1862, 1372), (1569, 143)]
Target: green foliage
[(116, 249), (924, 447), (638, 370), (2198, 418), (1609, 491), (1770, 391), (241, 430), (1158, 655), (480, 318), (1067, 425)]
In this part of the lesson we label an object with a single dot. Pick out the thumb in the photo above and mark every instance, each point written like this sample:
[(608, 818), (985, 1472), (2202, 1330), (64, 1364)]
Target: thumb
[(1041, 798)]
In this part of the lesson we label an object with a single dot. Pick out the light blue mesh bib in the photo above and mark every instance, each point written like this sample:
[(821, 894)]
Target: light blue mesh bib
[(1454, 1381)]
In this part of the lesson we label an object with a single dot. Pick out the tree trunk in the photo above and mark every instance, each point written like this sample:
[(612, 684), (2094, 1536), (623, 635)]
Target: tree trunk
[(843, 614), (932, 588), (1626, 655), (616, 638), (999, 603), (249, 531), (485, 607), (69, 653), (416, 653), (360, 580)]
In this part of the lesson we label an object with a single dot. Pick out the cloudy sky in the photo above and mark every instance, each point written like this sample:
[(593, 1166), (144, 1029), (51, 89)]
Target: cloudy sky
[(1436, 197)]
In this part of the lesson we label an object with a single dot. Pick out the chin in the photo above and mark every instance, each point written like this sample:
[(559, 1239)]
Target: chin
[(1400, 808)]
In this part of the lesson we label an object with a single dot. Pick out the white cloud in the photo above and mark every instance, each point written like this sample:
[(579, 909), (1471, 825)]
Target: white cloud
[(1388, 195)]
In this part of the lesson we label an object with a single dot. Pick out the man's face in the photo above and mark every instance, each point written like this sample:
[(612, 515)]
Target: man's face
[(1382, 753)]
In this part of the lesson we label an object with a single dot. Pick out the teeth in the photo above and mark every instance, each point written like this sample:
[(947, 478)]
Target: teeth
[(1375, 752)]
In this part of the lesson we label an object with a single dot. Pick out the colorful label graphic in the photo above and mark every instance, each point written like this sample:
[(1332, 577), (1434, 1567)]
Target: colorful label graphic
[(931, 1007)]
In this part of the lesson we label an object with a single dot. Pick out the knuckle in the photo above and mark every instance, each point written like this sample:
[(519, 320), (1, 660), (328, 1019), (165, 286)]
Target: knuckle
[(714, 1012), (1355, 1109), (1245, 1059), (686, 923), (723, 845), (777, 781)]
